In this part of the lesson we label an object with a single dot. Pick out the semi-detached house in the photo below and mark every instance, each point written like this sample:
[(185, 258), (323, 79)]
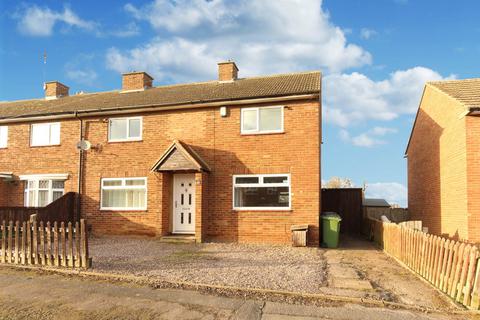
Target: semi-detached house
[(234, 159)]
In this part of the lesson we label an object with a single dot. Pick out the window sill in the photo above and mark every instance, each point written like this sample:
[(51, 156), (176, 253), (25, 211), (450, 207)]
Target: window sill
[(263, 210), (261, 133), (123, 141), (46, 145), (124, 209)]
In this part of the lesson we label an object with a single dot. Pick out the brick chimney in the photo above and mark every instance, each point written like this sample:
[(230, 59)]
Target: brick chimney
[(55, 89), (136, 81), (227, 71)]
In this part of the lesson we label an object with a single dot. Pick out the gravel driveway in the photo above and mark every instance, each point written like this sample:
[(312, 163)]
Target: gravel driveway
[(241, 265)]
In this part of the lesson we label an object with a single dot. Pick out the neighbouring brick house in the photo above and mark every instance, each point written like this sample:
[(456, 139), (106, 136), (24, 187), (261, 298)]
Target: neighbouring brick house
[(235, 159), (444, 160)]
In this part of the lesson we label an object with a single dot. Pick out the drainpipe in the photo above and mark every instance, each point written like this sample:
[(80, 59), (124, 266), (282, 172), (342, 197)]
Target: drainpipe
[(80, 169)]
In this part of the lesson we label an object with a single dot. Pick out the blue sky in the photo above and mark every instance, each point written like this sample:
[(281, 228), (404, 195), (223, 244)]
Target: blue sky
[(375, 57)]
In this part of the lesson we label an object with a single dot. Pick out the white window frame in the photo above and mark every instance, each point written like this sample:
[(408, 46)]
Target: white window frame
[(123, 187), (3, 139), (50, 124), (257, 130), (36, 189), (128, 129), (262, 185)]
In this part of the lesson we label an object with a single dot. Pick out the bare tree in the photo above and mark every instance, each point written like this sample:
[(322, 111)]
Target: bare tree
[(337, 182)]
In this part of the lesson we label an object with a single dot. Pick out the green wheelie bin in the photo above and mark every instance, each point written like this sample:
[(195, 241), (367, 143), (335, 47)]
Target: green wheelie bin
[(330, 229)]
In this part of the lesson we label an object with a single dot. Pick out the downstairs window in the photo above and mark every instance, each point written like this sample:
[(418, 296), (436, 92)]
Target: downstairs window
[(261, 192), (42, 192), (124, 194)]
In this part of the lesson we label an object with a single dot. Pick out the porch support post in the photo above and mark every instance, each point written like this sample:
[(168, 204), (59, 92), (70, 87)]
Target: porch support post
[(166, 205), (201, 191)]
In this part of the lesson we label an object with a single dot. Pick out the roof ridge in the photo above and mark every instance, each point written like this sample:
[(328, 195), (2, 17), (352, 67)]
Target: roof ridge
[(171, 85), (453, 81)]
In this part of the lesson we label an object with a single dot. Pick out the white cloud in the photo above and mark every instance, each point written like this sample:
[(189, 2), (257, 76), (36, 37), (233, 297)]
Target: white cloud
[(86, 77), (81, 69), (261, 36), (37, 21), (368, 139), (354, 98), (366, 33), (130, 30), (393, 192)]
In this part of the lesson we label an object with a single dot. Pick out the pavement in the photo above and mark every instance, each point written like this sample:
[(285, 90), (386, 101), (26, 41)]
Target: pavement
[(27, 294)]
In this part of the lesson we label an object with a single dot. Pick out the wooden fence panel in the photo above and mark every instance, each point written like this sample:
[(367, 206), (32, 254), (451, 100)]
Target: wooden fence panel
[(45, 244), (451, 266)]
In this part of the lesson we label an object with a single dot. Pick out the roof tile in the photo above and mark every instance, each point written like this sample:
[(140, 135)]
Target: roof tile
[(257, 87)]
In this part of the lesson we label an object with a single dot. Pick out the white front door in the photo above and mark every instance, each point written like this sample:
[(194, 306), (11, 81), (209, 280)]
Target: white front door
[(184, 203)]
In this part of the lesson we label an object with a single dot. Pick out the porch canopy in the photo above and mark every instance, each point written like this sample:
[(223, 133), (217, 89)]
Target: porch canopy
[(180, 157), (6, 176)]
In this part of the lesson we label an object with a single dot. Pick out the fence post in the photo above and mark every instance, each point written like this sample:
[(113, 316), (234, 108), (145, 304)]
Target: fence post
[(17, 242), (77, 260), (4, 241), (24, 236), (29, 244), (475, 303), (56, 261), (42, 243), (70, 245), (9, 249), (64, 244), (84, 239), (35, 242), (458, 269), (49, 244), (471, 273)]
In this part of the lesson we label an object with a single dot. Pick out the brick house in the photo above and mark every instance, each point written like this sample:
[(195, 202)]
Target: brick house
[(444, 160), (234, 159)]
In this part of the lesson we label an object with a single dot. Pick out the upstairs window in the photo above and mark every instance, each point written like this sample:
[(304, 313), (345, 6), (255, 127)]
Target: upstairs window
[(125, 129), (41, 192), (262, 120), (261, 192), (3, 137), (44, 134)]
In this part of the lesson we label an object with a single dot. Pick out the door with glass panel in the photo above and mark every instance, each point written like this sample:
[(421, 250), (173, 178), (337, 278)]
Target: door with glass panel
[(184, 203)]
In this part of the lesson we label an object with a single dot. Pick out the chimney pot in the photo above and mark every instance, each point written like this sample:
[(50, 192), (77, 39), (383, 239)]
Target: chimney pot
[(227, 71), (133, 81), (55, 89)]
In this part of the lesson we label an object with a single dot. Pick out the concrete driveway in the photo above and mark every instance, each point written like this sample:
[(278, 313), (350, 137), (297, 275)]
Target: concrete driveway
[(35, 295)]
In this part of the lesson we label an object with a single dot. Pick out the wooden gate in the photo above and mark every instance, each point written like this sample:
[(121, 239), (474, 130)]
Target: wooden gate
[(347, 202)]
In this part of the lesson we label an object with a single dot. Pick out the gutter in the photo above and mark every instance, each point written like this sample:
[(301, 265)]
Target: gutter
[(473, 111), (156, 107)]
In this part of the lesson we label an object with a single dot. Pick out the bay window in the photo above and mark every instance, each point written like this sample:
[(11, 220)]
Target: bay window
[(261, 192)]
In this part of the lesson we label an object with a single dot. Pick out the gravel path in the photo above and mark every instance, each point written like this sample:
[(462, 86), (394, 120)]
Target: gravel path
[(241, 265)]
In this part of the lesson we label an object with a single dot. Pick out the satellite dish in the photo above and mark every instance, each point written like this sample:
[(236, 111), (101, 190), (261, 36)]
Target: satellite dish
[(83, 145)]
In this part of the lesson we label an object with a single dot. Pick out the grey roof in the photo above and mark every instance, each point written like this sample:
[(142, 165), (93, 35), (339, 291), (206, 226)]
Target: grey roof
[(169, 95), (371, 202)]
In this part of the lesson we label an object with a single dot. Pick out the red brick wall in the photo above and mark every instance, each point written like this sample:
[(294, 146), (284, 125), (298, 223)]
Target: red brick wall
[(3, 194), (21, 159), (473, 177), (217, 140), (437, 165)]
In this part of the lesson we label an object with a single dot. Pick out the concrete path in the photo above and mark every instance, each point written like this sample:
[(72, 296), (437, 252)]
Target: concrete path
[(32, 295)]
